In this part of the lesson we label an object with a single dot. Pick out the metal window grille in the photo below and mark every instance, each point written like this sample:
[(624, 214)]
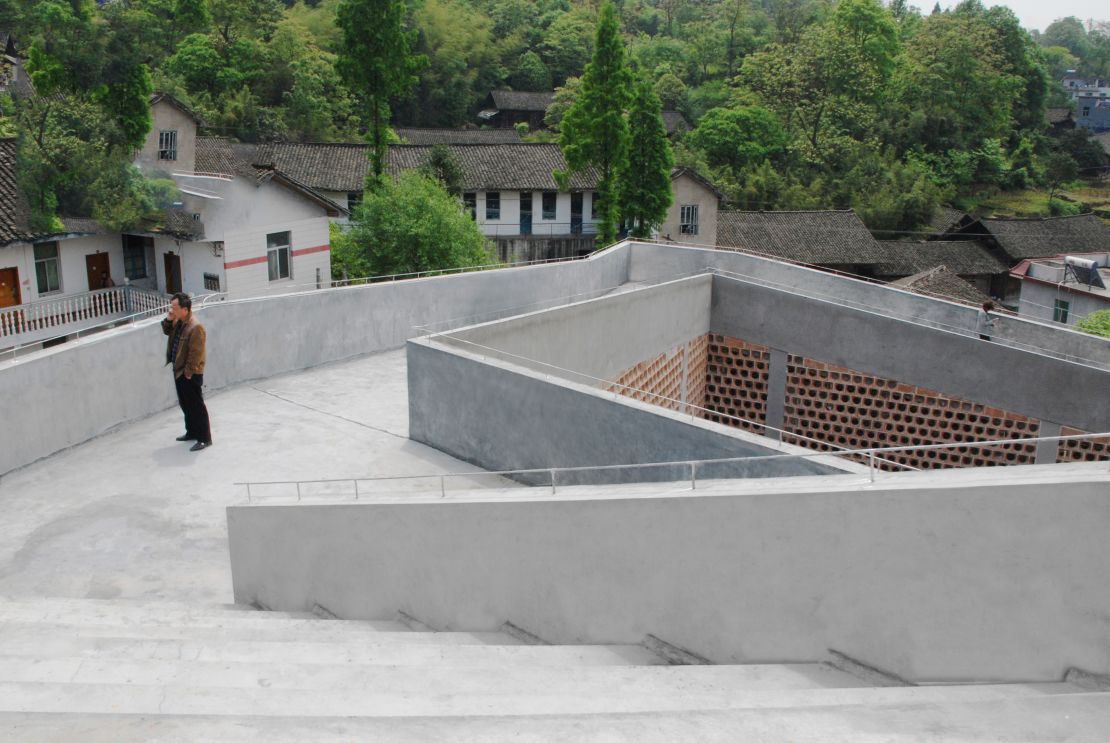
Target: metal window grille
[(688, 219), (167, 144)]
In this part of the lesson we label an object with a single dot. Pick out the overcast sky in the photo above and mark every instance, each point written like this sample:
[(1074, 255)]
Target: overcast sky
[(1038, 13)]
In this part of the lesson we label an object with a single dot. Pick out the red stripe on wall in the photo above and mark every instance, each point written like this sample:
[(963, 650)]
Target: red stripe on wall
[(306, 251), (245, 262)]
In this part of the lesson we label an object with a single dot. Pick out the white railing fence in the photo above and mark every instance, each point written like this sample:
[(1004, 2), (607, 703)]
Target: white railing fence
[(63, 313)]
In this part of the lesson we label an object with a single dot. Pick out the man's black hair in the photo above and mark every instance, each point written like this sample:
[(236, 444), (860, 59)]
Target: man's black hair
[(183, 301)]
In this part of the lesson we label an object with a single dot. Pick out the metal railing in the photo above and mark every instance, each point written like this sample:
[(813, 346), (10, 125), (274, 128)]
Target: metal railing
[(144, 305), (689, 465), (58, 312)]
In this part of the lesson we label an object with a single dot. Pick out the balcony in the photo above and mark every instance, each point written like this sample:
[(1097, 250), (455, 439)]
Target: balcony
[(54, 318)]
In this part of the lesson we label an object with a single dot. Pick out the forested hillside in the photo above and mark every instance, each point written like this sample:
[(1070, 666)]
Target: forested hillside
[(794, 103)]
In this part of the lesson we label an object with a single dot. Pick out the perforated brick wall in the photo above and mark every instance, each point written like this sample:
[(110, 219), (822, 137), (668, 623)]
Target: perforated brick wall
[(736, 383), (1085, 450), (840, 407), (831, 407)]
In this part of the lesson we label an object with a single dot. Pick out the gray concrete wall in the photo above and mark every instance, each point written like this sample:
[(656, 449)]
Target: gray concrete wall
[(652, 263), (63, 396), (1001, 581), (505, 417), (600, 338), (991, 373)]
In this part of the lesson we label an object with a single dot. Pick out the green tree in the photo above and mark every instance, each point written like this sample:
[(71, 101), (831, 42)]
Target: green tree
[(407, 226), (567, 44), (645, 195), (1096, 323), (594, 131), (531, 73), (375, 61), (443, 166), (738, 138)]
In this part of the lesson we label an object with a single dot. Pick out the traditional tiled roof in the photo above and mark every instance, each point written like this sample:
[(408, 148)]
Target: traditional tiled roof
[(500, 167), (521, 100), (1057, 115), (674, 121), (327, 167), (257, 163), (826, 238), (945, 218), (409, 135), (14, 211), (940, 282), (964, 257), (1033, 238)]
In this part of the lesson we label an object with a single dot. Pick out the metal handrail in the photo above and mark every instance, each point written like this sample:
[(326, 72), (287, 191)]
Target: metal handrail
[(691, 464)]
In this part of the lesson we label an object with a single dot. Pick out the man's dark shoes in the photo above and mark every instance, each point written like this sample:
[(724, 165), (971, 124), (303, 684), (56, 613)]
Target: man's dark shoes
[(200, 445), (186, 437)]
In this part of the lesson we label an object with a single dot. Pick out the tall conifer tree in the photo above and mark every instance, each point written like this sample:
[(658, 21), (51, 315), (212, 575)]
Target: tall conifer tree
[(594, 131), (646, 177), (375, 60)]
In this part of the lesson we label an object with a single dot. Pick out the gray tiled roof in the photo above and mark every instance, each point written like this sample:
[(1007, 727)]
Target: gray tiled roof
[(14, 210), (328, 167), (1034, 238), (1057, 115), (219, 155), (814, 237), (500, 167), (944, 219), (939, 281), (674, 121), (410, 135), (964, 257), (521, 100)]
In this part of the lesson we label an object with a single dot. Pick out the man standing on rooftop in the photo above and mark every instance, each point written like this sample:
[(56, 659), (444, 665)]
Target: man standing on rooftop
[(185, 349)]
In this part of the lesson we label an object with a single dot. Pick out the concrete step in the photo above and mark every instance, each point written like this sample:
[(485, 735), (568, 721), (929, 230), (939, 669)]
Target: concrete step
[(156, 699), (129, 612), (432, 681), (290, 630), (1077, 718), (426, 651)]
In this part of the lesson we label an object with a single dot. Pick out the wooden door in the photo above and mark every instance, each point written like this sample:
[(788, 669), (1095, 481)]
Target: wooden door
[(97, 267), (173, 273), (9, 287)]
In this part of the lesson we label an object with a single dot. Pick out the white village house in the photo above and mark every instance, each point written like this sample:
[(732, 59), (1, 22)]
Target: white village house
[(237, 231)]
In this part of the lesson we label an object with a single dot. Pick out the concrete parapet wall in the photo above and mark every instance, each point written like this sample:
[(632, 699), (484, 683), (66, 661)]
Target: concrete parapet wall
[(940, 577), (68, 394), (652, 262), (506, 417)]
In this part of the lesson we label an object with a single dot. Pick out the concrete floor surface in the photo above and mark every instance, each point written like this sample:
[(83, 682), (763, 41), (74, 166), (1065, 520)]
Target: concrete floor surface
[(135, 514)]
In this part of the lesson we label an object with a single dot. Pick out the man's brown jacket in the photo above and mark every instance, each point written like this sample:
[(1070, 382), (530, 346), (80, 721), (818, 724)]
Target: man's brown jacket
[(190, 349)]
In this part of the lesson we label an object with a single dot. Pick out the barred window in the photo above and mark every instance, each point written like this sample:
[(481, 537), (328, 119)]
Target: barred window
[(167, 144), (211, 282), (688, 219)]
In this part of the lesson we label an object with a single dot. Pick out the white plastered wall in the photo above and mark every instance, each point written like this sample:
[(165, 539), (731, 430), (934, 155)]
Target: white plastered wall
[(686, 190)]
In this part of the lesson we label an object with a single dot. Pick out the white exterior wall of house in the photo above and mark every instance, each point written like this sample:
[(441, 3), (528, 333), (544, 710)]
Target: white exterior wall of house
[(1038, 301), (688, 191), (72, 271), (165, 116), (509, 222), (246, 264)]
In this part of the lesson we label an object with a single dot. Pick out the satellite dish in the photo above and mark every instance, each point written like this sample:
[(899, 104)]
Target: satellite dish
[(1084, 270)]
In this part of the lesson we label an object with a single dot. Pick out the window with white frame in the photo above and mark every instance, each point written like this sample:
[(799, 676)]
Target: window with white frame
[(688, 219), (167, 144), (493, 205), (279, 255), (48, 268)]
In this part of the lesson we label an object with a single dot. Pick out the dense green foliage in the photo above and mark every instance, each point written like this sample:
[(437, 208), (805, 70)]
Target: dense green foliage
[(594, 131), (407, 226), (1096, 323), (792, 103), (645, 177)]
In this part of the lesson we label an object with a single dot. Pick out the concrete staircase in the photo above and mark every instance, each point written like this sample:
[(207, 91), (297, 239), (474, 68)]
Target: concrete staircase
[(95, 670)]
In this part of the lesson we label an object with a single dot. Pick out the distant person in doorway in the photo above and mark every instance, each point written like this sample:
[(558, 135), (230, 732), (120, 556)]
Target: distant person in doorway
[(985, 323), (185, 351), (106, 281)]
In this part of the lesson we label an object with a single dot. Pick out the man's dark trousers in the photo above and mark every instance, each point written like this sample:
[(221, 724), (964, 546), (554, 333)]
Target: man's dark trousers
[(191, 399)]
